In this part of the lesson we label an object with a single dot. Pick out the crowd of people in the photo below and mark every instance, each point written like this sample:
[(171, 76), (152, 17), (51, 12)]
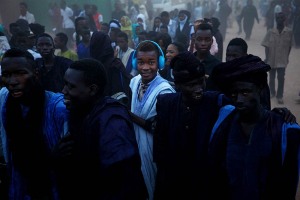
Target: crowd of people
[(145, 107)]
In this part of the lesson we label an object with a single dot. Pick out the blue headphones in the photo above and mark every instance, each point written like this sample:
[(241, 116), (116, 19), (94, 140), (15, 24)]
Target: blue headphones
[(161, 58)]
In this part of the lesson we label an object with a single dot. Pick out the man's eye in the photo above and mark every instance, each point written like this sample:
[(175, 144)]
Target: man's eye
[(233, 94)]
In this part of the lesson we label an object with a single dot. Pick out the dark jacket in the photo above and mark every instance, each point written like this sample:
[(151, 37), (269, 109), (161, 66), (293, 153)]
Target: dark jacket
[(106, 163), (118, 78), (264, 166), (209, 64), (53, 80)]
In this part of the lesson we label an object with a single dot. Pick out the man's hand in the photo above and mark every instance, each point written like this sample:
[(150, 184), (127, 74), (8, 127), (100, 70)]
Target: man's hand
[(63, 149)]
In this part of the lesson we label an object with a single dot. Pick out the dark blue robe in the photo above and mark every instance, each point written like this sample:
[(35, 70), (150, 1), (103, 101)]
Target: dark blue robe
[(263, 166), (180, 145), (106, 164)]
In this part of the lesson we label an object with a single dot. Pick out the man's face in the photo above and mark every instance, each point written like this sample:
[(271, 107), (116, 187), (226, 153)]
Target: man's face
[(140, 21), (157, 22), (147, 65), (22, 42), (105, 29), (181, 16), (280, 18), (17, 76), (163, 30), (76, 92), (88, 10), (193, 89), (122, 43), (233, 52), (23, 10), (113, 35), (82, 25), (86, 36), (245, 96), (203, 41), (45, 46), (165, 20), (58, 42)]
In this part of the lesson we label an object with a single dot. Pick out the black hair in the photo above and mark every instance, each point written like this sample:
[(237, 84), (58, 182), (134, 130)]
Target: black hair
[(23, 24), (164, 26), (154, 22), (164, 14), (186, 12), (204, 27), (79, 19), (165, 38), (186, 61), (63, 37), (36, 28), (183, 39), (151, 35), (239, 42), (94, 72), (146, 46), (123, 35), (215, 22), (45, 35), (94, 7), (180, 46), (157, 18), (23, 4), (17, 52)]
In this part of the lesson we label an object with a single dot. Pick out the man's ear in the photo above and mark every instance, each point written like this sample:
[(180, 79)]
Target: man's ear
[(94, 89)]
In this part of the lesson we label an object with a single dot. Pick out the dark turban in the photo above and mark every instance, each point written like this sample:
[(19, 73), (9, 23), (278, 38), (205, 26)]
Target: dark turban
[(186, 67), (248, 68)]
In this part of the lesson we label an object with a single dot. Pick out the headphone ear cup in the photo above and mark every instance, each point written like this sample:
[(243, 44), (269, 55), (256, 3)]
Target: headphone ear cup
[(134, 61), (161, 62)]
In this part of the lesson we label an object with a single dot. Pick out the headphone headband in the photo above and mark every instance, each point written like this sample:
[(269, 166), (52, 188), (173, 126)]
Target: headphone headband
[(161, 57)]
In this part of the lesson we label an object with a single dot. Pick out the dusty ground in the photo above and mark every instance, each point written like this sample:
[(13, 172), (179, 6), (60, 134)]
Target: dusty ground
[(292, 76)]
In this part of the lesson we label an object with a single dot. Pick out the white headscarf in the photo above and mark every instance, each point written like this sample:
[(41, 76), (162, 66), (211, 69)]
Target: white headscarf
[(143, 11), (141, 16)]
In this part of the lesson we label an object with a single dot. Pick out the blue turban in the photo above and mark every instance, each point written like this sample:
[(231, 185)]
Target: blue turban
[(248, 68)]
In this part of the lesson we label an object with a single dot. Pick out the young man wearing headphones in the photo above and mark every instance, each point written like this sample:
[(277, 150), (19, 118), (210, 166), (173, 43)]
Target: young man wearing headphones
[(148, 58)]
